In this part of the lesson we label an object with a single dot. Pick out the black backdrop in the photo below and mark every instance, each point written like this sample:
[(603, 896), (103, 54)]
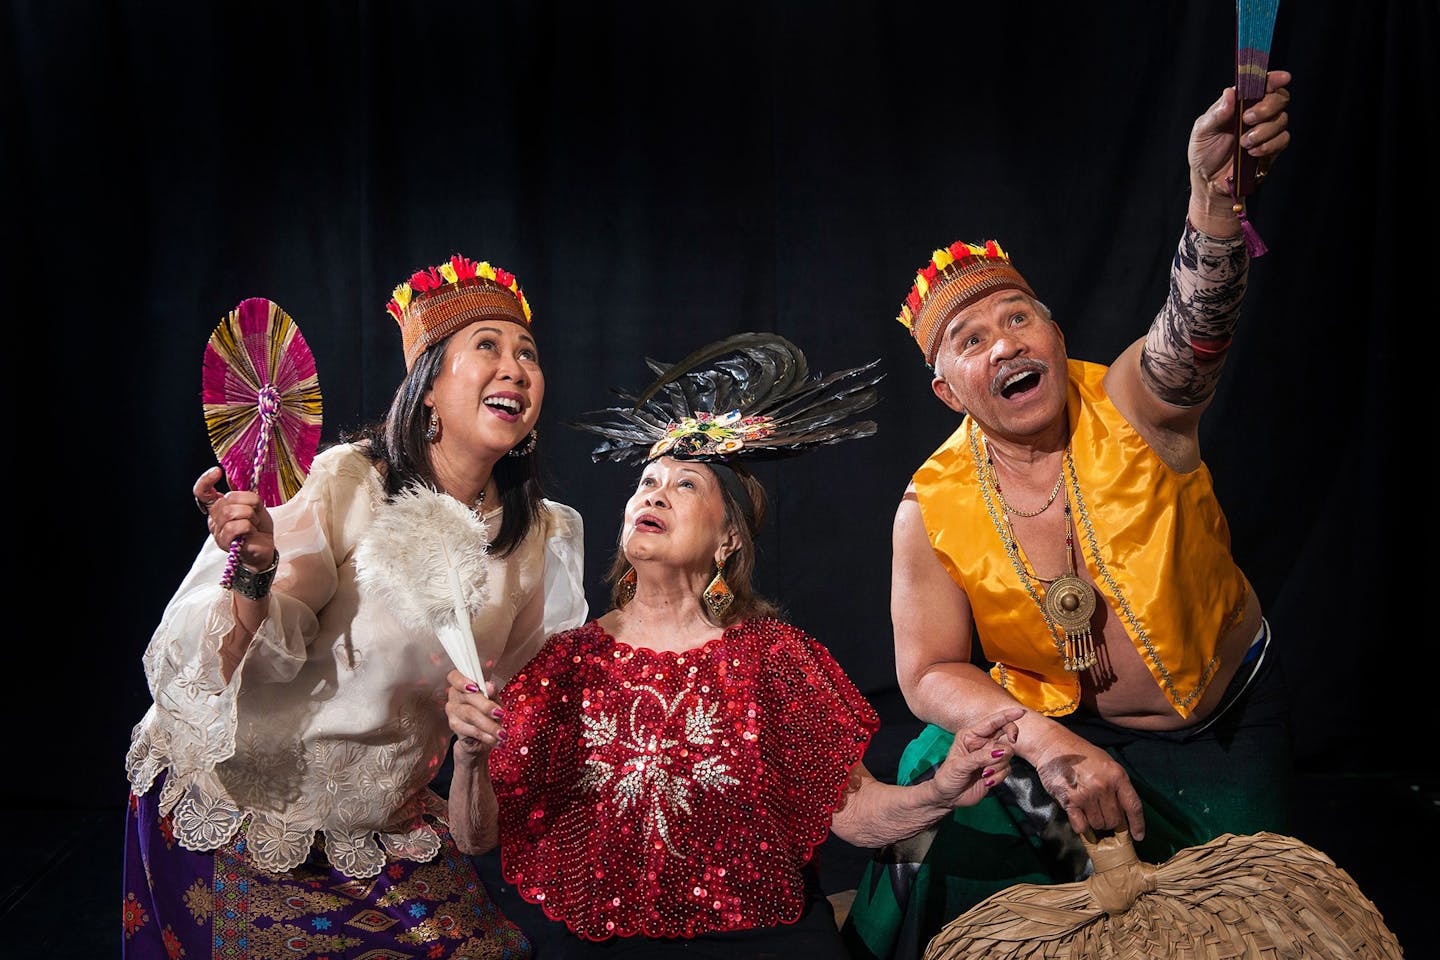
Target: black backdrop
[(659, 175)]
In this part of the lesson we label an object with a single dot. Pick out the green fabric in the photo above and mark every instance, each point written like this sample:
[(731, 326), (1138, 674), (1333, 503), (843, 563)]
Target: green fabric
[(977, 851), (1192, 792)]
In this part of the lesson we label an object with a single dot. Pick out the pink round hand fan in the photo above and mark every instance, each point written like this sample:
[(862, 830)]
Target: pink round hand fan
[(262, 404)]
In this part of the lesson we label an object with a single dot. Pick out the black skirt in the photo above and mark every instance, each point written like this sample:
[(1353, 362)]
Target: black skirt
[(814, 936)]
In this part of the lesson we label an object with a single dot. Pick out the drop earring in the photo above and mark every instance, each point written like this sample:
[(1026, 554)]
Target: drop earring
[(625, 589), (525, 447), (717, 595)]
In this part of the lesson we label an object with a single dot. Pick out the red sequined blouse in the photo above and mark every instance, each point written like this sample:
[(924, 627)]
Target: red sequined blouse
[(673, 794)]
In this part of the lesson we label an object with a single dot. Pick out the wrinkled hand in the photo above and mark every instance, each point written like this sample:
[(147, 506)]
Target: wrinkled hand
[(475, 718), (978, 759), (239, 513), (1094, 790), (1212, 138)]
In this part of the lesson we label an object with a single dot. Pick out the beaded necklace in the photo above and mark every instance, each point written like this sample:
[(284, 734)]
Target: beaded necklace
[(1068, 601)]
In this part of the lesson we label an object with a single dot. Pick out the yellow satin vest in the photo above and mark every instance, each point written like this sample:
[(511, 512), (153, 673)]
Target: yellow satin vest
[(1155, 542)]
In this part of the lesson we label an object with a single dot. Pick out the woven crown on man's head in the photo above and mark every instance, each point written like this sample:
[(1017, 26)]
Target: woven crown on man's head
[(436, 302), (956, 277)]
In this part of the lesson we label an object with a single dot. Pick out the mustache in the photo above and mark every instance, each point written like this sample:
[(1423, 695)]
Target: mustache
[(1025, 364)]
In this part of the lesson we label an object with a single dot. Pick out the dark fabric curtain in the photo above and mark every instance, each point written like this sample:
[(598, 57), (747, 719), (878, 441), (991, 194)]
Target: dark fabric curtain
[(659, 175)]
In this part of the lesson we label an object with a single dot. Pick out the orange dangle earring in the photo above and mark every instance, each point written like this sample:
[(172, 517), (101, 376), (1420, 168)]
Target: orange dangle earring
[(717, 595), (625, 589)]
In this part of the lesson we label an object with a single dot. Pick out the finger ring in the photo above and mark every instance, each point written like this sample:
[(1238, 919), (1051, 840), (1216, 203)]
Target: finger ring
[(203, 507)]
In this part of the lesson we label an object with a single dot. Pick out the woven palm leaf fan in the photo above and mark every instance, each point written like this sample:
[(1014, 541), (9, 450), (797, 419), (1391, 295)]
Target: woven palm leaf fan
[(261, 398), (1261, 896), (1254, 28)]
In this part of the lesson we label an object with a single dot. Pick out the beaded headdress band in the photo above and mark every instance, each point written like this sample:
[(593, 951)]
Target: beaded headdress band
[(747, 397), (436, 302), (956, 277)]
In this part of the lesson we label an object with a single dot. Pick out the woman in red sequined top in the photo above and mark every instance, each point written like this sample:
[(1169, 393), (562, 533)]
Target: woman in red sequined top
[(665, 772)]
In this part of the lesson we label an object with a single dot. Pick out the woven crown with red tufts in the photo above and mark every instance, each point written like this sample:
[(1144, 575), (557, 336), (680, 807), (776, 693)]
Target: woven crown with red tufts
[(956, 277), (437, 301), (456, 269)]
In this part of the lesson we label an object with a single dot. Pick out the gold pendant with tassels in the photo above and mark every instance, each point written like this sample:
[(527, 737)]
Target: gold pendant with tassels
[(1070, 602)]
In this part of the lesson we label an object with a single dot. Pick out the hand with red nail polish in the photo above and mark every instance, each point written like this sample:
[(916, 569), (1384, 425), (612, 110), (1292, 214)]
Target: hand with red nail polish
[(474, 718), (978, 759)]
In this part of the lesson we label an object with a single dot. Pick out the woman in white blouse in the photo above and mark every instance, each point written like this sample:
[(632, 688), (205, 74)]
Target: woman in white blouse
[(279, 781)]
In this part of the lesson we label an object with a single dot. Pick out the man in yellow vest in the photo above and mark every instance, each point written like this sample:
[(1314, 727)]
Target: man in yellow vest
[(1071, 524)]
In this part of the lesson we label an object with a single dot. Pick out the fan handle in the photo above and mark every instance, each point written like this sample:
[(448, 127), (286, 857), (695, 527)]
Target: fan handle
[(269, 411)]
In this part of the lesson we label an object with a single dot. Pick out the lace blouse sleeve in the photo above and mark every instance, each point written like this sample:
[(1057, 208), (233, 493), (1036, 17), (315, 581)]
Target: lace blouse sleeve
[(565, 606), (192, 720)]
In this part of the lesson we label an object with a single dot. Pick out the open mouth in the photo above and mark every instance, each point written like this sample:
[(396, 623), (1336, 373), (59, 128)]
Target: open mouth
[(649, 524), (509, 407), (1019, 381)]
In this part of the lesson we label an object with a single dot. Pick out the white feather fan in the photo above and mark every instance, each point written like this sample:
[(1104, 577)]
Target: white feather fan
[(428, 555)]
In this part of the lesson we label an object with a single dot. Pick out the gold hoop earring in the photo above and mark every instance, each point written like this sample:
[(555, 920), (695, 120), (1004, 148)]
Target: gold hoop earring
[(625, 589), (432, 428), (717, 595)]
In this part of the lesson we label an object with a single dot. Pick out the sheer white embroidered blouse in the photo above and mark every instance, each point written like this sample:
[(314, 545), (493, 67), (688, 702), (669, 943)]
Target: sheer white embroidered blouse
[(334, 721)]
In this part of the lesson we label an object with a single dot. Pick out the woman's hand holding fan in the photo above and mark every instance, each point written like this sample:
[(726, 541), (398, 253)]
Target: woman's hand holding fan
[(238, 520), (262, 408)]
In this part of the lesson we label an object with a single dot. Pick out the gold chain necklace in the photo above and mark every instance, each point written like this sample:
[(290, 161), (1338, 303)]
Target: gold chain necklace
[(1029, 570), (1068, 601), (995, 479)]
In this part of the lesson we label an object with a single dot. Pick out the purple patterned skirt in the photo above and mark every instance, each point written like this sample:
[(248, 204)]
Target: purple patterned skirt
[(183, 905)]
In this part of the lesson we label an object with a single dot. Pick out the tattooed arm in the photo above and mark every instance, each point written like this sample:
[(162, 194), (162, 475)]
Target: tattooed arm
[(1185, 348), (1165, 380)]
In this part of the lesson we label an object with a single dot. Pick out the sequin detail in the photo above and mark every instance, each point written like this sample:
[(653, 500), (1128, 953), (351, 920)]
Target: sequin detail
[(672, 794)]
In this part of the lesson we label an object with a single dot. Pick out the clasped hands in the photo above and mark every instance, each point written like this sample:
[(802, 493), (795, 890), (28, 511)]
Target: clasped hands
[(978, 759)]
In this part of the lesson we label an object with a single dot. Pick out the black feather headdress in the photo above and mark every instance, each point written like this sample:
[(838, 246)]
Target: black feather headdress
[(747, 397)]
